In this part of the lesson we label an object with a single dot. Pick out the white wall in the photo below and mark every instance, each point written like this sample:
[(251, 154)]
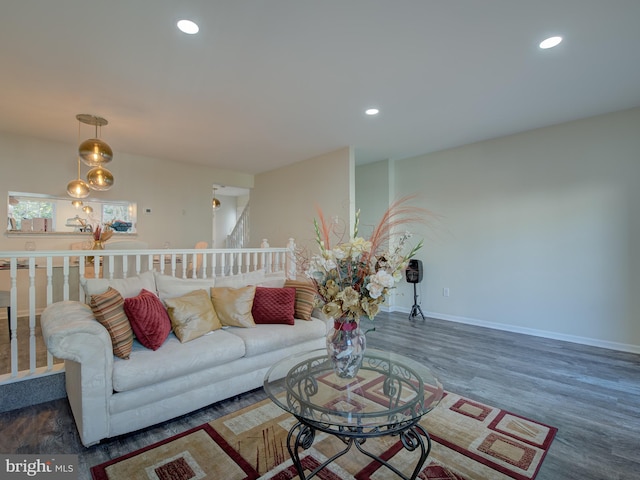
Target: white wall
[(540, 231), (374, 193), (283, 201), (178, 194)]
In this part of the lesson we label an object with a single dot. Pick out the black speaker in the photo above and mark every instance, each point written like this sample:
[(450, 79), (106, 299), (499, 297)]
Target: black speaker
[(414, 271)]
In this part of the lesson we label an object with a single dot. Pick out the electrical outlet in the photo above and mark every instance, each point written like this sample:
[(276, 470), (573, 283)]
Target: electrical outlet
[(445, 292)]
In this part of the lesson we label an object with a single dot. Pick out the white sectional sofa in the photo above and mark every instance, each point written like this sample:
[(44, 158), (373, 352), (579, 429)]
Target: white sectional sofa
[(111, 396)]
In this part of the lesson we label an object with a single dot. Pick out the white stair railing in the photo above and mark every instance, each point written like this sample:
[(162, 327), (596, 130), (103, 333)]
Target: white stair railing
[(239, 237)]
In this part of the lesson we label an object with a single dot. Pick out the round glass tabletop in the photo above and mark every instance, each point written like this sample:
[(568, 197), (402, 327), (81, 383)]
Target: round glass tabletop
[(390, 391)]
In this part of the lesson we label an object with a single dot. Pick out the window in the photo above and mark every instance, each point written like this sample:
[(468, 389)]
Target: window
[(31, 214), (115, 212), (40, 213)]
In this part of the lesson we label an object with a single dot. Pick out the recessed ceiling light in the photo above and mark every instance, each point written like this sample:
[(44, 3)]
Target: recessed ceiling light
[(187, 26), (550, 42), (372, 111)]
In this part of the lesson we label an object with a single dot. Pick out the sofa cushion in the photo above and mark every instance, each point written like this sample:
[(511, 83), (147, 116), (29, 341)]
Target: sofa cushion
[(305, 297), (108, 309), (231, 281), (149, 320), (173, 359), (274, 305), (128, 287), (266, 338), (170, 287), (275, 280), (253, 278), (233, 305), (192, 315)]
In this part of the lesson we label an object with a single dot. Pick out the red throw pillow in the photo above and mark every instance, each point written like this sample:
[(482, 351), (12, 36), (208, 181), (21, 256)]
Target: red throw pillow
[(274, 305), (149, 320)]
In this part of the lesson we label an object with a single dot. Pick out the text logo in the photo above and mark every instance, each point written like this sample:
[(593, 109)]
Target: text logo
[(50, 467)]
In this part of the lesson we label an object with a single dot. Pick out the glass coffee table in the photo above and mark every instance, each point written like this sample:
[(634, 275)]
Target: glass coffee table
[(388, 396)]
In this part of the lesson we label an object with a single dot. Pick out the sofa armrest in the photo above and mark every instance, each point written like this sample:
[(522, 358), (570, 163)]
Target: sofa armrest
[(71, 332), (65, 327), (328, 321)]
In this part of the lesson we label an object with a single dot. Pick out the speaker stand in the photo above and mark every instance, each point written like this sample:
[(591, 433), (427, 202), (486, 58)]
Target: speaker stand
[(416, 308)]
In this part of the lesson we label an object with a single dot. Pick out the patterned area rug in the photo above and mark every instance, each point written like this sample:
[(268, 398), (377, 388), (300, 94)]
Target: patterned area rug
[(470, 441)]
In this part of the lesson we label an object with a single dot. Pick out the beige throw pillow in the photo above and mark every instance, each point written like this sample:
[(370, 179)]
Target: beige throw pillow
[(233, 305), (192, 315)]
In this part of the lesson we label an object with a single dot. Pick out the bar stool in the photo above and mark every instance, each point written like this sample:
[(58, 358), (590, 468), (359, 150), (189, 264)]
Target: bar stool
[(5, 301)]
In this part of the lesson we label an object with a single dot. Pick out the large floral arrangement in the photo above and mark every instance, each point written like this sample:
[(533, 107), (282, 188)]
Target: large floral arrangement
[(356, 276)]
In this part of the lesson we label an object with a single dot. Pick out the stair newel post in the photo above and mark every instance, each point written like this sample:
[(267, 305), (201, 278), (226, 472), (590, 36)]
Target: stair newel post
[(290, 261)]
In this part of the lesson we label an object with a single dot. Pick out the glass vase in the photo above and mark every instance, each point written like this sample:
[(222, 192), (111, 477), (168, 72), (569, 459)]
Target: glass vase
[(346, 344)]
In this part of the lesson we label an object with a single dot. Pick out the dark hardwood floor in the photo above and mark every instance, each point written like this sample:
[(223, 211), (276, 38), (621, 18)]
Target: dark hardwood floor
[(591, 395)]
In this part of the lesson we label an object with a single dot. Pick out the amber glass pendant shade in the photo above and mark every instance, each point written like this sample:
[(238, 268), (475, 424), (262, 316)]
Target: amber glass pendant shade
[(100, 179), (78, 189), (94, 152)]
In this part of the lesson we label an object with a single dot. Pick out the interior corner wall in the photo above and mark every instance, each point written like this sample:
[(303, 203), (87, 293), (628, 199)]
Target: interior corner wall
[(178, 194), (374, 190), (539, 231), (284, 200)]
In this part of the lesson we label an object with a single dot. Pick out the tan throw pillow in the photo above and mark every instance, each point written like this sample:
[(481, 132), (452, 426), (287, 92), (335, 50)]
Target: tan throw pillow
[(233, 305), (305, 297), (108, 309), (192, 315)]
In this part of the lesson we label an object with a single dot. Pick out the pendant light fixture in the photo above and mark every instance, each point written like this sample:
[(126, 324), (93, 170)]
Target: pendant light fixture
[(78, 188), (94, 152), (215, 203), (76, 203), (100, 179)]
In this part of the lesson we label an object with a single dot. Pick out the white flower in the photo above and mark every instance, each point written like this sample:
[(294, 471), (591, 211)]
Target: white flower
[(382, 277), (339, 254), (375, 290)]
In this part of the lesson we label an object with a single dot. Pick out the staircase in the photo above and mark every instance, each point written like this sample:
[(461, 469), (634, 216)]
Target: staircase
[(239, 237)]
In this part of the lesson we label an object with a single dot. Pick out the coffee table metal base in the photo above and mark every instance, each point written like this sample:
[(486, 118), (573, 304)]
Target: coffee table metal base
[(411, 435)]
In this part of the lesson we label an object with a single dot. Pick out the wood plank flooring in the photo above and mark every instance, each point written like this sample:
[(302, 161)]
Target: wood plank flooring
[(591, 395)]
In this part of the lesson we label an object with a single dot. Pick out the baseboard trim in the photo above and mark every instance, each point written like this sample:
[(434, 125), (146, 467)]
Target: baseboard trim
[(32, 391), (593, 342)]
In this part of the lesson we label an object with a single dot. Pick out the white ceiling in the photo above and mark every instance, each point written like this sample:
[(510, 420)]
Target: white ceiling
[(269, 83)]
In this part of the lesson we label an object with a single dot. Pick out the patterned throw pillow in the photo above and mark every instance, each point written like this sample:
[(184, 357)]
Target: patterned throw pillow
[(305, 296), (149, 320), (108, 309), (274, 305)]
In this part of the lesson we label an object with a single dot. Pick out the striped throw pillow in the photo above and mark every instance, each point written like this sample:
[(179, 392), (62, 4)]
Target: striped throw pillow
[(108, 309), (305, 297)]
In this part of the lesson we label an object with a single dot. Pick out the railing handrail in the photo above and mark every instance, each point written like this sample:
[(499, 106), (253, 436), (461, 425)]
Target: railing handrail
[(240, 233), (138, 251)]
